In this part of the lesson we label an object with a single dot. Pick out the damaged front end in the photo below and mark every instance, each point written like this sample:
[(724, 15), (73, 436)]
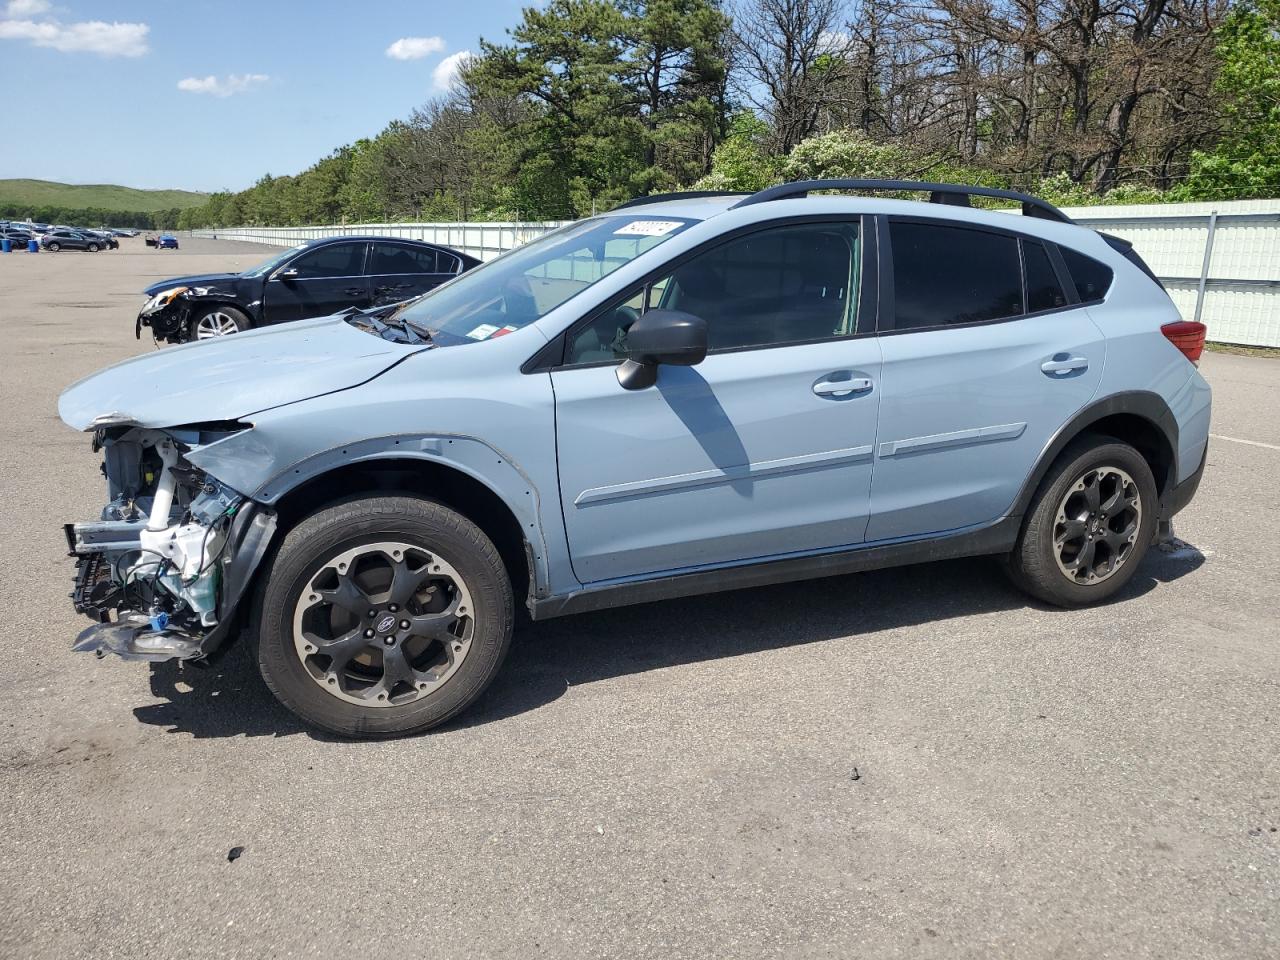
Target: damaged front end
[(163, 570), (168, 313)]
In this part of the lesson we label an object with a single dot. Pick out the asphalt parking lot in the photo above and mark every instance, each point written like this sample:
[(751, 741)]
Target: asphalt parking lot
[(906, 763)]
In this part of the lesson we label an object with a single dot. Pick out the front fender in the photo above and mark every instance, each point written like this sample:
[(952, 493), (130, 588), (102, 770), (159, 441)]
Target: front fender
[(253, 310), (245, 463)]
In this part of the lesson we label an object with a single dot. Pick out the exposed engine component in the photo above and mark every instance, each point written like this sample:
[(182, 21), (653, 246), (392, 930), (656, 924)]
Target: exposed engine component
[(148, 571)]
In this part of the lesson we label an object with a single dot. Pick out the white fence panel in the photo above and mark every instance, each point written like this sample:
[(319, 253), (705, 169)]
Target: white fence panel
[(481, 240), (1220, 262)]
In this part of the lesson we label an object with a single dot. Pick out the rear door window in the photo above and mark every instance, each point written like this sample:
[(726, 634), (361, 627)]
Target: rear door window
[(946, 276), (396, 258), (1044, 292)]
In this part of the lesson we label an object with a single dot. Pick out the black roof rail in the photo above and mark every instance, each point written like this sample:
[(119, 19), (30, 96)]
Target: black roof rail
[(681, 195), (949, 193)]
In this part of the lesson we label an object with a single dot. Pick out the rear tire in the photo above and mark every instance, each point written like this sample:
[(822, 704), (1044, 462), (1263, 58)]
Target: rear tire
[(55, 247), (1089, 526), (383, 617)]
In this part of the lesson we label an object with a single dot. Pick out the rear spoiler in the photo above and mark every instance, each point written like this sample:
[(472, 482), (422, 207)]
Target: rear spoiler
[(1125, 249)]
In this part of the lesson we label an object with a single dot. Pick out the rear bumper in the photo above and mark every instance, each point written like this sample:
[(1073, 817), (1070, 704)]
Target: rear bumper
[(1181, 494)]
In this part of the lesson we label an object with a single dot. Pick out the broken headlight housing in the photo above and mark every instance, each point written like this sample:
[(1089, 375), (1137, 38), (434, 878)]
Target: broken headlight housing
[(162, 300)]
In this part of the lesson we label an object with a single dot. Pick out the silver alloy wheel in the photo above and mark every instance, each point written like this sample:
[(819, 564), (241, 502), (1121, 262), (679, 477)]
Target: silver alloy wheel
[(1097, 525), (383, 624), (216, 324)]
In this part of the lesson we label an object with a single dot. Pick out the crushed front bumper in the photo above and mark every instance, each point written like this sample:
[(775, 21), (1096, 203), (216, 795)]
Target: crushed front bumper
[(167, 324), (135, 636)]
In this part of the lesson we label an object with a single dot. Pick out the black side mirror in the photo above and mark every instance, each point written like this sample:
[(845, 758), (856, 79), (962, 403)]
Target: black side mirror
[(661, 336)]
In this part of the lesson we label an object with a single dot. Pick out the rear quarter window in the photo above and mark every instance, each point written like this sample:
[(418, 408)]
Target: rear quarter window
[(1092, 279), (1043, 290)]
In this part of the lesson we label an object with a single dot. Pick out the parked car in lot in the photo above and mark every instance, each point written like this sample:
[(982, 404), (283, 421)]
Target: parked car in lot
[(67, 239), (16, 236), (106, 238), (686, 394), (315, 279)]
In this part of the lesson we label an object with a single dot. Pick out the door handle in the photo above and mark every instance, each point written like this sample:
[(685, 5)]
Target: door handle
[(1063, 364), (353, 291), (841, 388)]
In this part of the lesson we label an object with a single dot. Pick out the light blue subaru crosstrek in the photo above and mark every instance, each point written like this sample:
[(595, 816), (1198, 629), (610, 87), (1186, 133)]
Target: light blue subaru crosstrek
[(690, 393)]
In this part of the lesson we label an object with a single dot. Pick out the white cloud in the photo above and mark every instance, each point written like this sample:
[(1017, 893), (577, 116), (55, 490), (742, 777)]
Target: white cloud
[(91, 36), (223, 87), (26, 8), (446, 72), (834, 41), (415, 48)]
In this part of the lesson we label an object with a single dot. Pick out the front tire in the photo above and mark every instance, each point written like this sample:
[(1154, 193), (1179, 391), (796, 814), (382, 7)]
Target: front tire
[(1089, 525), (383, 617), (93, 248), (219, 320)]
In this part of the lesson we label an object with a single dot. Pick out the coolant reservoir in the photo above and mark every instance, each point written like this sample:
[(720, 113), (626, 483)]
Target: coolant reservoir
[(186, 546)]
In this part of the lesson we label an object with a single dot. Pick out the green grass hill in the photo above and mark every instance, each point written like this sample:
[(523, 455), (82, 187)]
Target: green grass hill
[(101, 196)]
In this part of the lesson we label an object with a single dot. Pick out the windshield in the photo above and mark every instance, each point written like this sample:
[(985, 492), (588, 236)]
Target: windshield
[(266, 266), (529, 282)]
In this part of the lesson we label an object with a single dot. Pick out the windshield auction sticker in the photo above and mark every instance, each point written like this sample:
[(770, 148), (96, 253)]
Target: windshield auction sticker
[(647, 228)]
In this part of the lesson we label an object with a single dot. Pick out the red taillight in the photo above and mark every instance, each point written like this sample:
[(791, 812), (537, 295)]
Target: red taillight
[(1187, 336)]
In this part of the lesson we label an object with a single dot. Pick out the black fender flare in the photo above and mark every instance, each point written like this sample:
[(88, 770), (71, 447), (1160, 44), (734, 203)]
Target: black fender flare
[(248, 541), (1140, 403)]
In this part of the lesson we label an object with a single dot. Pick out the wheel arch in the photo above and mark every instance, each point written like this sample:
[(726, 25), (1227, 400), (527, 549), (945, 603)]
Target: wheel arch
[(1140, 418), (499, 499), (198, 305)]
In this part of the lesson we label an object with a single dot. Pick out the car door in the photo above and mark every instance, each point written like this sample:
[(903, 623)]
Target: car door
[(762, 449), (318, 282), (987, 352), (401, 271)]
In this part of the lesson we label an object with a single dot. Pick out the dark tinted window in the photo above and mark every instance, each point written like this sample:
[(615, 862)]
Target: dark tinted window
[(784, 285), (1043, 290), (1092, 279), (334, 260), (947, 275), (397, 258)]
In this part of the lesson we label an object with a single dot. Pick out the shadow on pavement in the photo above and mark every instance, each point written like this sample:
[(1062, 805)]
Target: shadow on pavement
[(230, 699)]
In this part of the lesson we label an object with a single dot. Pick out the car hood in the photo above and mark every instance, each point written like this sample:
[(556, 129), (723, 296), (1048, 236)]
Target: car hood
[(230, 377), (198, 280)]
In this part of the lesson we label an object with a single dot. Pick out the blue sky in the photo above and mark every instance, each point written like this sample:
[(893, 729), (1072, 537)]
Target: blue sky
[(211, 94)]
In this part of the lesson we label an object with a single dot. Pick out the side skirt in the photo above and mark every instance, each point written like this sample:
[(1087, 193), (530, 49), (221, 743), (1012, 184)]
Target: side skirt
[(996, 538)]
